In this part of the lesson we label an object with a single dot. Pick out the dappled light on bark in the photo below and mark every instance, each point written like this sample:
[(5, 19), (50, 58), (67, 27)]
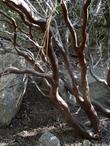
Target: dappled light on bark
[(50, 59)]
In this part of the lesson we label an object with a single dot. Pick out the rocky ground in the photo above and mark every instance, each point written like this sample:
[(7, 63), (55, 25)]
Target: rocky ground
[(37, 115)]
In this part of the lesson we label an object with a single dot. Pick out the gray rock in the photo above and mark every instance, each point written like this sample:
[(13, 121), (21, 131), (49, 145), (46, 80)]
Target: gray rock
[(99, 91), (48, 139), (86, 143), (12, 88)]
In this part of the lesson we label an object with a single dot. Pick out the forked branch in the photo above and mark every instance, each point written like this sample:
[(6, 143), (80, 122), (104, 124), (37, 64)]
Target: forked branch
[(85, 104), (29, 17)]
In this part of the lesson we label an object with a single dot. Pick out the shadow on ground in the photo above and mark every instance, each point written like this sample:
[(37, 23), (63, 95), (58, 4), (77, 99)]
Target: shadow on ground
[(36, 115)]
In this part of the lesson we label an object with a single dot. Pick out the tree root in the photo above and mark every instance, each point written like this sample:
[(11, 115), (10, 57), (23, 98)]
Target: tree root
[(81, 129)]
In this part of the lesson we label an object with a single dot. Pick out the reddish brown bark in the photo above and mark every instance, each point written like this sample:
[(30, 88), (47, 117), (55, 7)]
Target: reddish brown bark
[(31, 20), (57, 99), (85, 104)]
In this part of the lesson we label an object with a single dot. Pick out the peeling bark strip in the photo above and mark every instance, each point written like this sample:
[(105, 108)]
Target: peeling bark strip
[(28, 14)]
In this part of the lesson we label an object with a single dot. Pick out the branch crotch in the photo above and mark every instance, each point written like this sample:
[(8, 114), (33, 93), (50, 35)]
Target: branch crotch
[(62, 105)]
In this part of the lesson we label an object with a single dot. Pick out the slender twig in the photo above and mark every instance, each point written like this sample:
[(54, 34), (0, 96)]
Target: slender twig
[(69, 24)]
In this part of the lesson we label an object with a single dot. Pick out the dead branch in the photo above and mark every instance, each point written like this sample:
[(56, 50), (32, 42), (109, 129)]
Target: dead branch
[(15, 70), (102, 81), (69, 24), (96, 77)]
